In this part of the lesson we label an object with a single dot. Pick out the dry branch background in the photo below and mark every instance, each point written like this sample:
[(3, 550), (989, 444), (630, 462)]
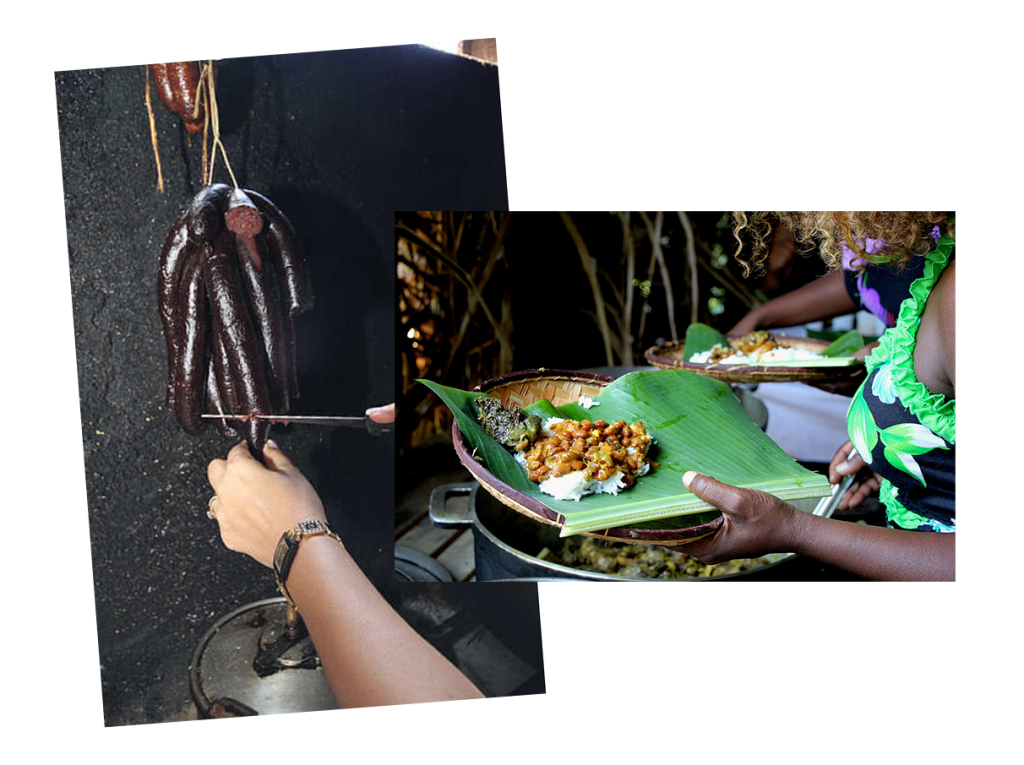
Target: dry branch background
[(481, 294)]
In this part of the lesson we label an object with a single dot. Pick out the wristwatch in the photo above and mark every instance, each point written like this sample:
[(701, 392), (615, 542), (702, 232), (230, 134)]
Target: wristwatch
[(287, 548)]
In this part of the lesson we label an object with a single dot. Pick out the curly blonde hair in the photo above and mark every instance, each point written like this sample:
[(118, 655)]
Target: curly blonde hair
[(905, 234)]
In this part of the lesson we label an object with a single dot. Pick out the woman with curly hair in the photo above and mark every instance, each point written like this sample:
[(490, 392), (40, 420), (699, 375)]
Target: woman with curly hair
[(902, 419), (862, 274)]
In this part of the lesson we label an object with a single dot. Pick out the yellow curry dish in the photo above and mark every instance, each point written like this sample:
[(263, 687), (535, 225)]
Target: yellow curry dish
[(570, 458), (574, 458)]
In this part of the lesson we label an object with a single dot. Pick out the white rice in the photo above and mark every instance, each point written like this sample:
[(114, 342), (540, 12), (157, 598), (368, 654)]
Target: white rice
[(779, 354), (545, 427), (574, 485), (586, 402)]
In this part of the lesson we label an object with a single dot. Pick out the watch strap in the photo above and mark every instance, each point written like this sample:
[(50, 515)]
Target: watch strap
[(288, 547)]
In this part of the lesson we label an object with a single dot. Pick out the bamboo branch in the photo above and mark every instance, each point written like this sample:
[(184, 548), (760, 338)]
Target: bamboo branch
[(458, 272), (616, 317), (590, 267), (691, 256), (650, 281), (496, 249), (654, 232), (630, 253), (505, 361)]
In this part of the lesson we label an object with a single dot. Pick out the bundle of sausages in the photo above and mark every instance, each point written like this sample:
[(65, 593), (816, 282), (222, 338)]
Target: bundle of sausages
[(232, 280)]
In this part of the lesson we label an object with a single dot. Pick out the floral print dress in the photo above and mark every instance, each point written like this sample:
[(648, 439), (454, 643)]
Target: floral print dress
[(906, 433)]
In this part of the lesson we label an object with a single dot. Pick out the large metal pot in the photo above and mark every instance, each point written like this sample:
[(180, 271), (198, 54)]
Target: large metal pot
[(505, 541)]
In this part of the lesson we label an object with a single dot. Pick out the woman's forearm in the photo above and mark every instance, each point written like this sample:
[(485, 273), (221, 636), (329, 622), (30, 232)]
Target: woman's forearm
[(823, 298), (876, 553), (372, 657)]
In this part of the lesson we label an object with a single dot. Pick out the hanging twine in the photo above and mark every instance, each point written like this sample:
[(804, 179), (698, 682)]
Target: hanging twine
[(206, 93), (152, 137)]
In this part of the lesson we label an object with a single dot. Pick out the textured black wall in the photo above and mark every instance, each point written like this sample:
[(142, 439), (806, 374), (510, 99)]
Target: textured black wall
[(339, 141)]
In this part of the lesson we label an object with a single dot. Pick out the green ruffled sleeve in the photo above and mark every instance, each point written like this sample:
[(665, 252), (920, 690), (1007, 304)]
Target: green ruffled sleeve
[(933, 410)]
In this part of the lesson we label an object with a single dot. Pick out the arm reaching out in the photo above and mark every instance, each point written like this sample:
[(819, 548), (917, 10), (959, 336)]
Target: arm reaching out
[(371, 656), (823, 298)]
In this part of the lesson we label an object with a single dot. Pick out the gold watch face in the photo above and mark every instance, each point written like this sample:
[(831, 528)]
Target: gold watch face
[(310, 526)]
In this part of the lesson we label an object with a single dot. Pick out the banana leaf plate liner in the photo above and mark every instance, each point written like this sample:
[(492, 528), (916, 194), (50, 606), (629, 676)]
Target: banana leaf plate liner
[(672, 355), (559, 387), (562, 387)]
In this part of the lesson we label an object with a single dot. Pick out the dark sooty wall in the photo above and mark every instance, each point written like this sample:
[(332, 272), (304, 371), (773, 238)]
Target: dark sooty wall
[(339, 141)]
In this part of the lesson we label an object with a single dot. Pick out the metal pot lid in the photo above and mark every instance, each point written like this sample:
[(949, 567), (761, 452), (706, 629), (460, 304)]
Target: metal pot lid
[(246, 663)]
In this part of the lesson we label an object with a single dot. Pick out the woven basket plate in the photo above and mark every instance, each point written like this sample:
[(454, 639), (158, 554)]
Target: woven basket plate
[(673, 356), (559, 387)]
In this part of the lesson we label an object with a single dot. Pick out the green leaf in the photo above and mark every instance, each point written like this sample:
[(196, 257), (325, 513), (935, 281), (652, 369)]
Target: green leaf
[(845, 344), (911, 438), (701, 337), (861, 427), (904, 462), (697, 424)]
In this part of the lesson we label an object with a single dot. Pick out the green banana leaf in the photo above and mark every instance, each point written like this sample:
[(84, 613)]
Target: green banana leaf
[(845, 344), (701, 338), (697, 424)]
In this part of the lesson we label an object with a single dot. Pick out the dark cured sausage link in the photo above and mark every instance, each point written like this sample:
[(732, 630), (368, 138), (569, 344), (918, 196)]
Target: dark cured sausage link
[(175, 252), (227, 303), (191, 229), (217, 400), (177, 85), (184, 77), (267, 314), (293, 363), (242, 216), (215, 403), (189, 372), (172, 253), (244, 367), (287, 255), (292, 275), (165, 89), (221, 371), (206, 213)]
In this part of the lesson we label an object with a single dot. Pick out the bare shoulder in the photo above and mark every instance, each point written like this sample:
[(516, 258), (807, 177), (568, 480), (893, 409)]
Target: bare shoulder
[(947, 313), (947, 299)]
